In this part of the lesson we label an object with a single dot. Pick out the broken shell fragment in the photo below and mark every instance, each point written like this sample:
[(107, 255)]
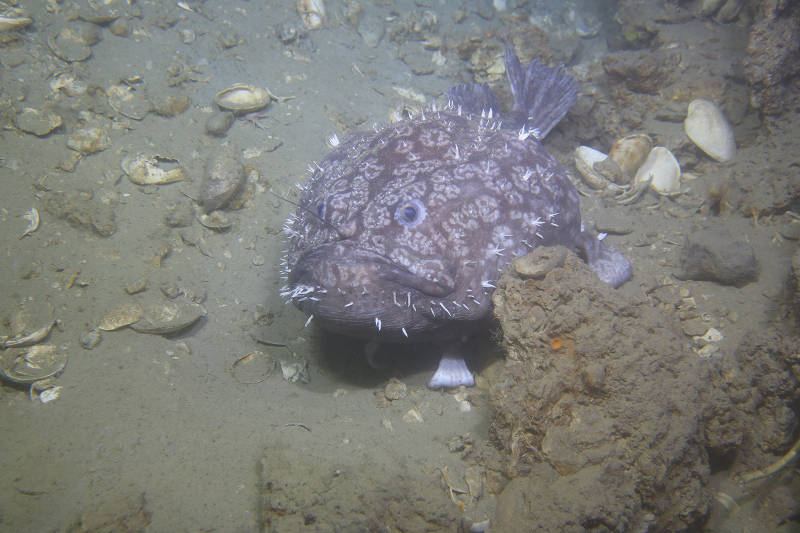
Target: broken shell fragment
[(242, 99), (37, 122), (215, 220), (128, 102), (395, 390), (630, 152), (48, 395), (708, 128), (32, 216), (164, 318), (253, 368), (295, 371), (14, 18), (413, 416), (119, 317), (89, 140), (90, 338), (144, 170), (312, 13), (34, 364), (68, 83), (662, 170)]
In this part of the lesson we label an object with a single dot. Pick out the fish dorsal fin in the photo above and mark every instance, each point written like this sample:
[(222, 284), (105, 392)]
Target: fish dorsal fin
[(542, 94)]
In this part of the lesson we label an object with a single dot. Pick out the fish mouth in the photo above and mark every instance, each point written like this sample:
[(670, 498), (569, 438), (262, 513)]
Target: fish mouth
[(343, 265)]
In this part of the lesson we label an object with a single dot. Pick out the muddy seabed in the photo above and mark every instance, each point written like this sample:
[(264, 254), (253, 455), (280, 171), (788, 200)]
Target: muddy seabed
[(595, 409)]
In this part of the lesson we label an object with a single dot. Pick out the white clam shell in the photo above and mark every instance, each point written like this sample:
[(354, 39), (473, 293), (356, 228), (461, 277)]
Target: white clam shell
[(145, 170), (708, 128), (312, 13), (585, 158), (630, 152), (242, 99), (664, 170)]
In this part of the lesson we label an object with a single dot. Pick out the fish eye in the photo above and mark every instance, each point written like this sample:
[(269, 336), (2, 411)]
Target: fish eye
[(410, 213)]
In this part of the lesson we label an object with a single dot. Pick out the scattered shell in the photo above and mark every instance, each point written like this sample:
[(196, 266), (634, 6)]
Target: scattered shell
[(662, 170), (101, 12), (242, 99), (585, 159), (165, 318), (474, 478), (187, 36), (462, 398), (708, 128), (89, 140), (14, 18), (37, 122), (138, 285), (34, 364), (128, 102), (68, 83), (254, 367), (630, 152), (73, 43), (312, 13), (34, 337), (712, 335), (413, 416), (294, 371), (32, 216), (215, 220), (90, 338), (48, 395), (224, 178), (144, 170), (395, 390), (119, 317)]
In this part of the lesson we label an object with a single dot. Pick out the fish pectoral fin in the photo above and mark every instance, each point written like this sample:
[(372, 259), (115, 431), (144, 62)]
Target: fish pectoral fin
[(452, 372), (609, 265)]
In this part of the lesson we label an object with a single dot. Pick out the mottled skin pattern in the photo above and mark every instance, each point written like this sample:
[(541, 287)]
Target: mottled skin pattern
[(482, 195), (401, 233)]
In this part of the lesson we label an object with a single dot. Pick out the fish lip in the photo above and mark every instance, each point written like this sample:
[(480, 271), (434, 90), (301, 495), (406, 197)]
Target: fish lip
[(387, 270)]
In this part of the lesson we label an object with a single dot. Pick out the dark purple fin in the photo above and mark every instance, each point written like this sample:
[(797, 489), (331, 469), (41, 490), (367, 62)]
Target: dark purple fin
[(474, 98), (542, 95)]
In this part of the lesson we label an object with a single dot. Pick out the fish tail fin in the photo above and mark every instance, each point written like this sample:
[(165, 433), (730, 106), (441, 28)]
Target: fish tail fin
[(542, 94)]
